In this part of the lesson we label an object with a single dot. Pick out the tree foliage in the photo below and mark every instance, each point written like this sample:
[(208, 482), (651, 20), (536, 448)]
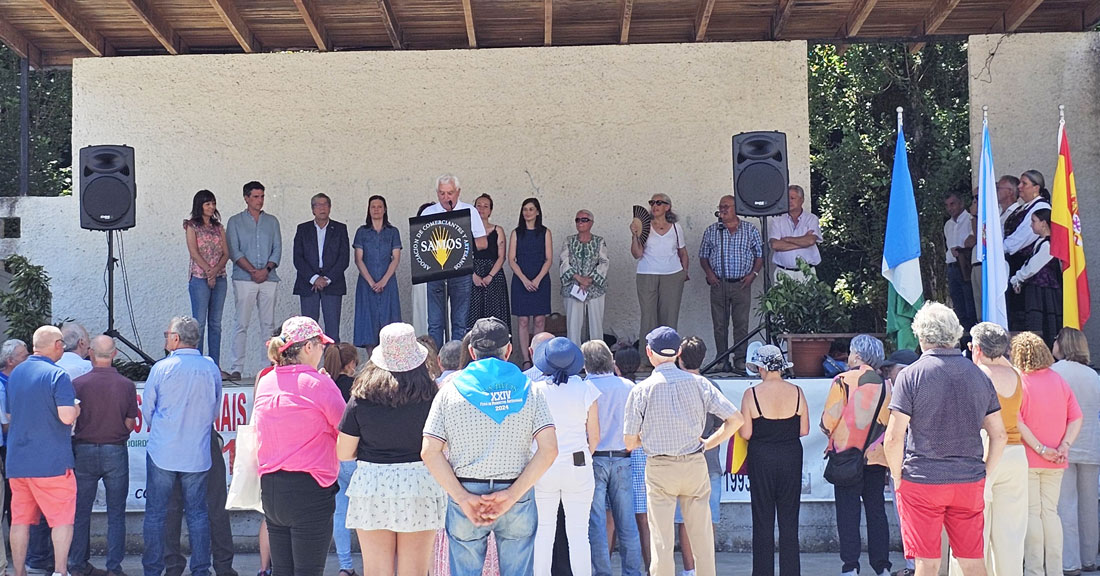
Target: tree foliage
[(26, 304), (50, 129), (853, 128)]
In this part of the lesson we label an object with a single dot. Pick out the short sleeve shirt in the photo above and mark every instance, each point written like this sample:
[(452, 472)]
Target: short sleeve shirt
[(668, 410), (1047, 408), (387, 435), (662, 252), (479, 447), (107, 399), (39, 443), (569, 403), (946, 398), (477, 227)]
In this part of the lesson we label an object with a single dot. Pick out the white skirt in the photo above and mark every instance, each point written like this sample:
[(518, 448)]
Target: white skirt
[(397, 497)]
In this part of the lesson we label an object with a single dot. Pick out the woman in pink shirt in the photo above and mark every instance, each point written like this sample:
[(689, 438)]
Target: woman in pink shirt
[(297, 411), (1050, 420)]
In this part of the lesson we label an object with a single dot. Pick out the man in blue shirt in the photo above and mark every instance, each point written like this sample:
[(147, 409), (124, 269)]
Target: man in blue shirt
[(255, 247), (40, 454), (181, 400)]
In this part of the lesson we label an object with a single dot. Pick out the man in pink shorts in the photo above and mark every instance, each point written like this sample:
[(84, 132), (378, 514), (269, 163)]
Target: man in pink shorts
[(42, 405), (944, 401)]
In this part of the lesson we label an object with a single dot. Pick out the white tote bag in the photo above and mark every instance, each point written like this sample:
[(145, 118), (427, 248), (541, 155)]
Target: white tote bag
[(244, 489)]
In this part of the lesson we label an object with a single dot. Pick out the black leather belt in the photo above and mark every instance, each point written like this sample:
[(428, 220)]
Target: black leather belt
[(789, 269), (731, 280), (611, 454), (481, 481)]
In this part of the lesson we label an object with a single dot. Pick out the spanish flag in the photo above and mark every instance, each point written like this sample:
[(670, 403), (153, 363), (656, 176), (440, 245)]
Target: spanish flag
[(1065, 238)]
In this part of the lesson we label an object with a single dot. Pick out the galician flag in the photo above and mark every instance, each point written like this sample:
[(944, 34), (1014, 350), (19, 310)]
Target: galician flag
[(991, 245), (1065, 238), (901, 252)]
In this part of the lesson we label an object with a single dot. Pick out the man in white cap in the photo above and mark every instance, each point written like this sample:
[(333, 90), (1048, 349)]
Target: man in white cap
[(665, 415)]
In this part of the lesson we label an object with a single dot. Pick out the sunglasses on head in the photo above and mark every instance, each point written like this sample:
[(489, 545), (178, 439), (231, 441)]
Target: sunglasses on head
[(659, 203)]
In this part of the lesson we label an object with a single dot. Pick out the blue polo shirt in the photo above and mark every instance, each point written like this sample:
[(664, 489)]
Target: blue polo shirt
[(39, 443)]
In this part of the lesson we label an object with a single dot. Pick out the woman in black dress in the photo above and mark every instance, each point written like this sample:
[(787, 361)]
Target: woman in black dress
[(530, 253), (775, 420), (1039, 283), (489, 296)]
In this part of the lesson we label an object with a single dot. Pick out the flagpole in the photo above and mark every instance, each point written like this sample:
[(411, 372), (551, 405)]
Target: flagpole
[(900, 110), (985, 116), (1061, 124)]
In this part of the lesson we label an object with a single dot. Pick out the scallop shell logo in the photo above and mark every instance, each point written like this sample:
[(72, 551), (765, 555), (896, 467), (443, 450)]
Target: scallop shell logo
[(441, 249)]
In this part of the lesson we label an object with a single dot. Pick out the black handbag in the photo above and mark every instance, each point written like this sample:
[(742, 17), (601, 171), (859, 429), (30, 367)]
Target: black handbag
[(845, 468)]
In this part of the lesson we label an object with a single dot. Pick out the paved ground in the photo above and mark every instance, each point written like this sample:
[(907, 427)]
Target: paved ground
[(729, 564)]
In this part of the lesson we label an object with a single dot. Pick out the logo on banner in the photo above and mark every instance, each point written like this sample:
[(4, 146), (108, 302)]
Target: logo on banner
[(442, 246)]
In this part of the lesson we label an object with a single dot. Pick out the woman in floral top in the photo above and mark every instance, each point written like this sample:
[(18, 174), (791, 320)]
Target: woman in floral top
[(584, 279), (207, 283)]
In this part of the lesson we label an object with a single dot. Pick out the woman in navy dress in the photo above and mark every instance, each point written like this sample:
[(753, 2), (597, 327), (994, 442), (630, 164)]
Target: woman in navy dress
[(377, 252), (530, 252)]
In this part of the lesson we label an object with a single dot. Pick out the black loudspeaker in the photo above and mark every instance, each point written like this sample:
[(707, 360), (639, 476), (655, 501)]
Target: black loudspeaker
[(760, 174), (107, 189)]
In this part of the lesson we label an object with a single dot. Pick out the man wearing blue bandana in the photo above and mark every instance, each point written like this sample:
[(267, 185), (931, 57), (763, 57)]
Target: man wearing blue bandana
[(486, 417)]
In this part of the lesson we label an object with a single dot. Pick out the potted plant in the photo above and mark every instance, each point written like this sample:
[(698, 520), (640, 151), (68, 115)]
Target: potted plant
[(808, 314)]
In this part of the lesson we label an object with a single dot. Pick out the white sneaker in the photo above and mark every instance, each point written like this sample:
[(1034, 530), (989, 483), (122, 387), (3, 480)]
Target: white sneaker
[(687, 573), (850, 573)]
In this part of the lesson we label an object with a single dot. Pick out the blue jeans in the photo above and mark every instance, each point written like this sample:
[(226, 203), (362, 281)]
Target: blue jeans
[(458, 290), (515, 535), (111, 463), (340, 533), (40, 547), (206, 308), (315, 303), (158, 490), (613, 484)]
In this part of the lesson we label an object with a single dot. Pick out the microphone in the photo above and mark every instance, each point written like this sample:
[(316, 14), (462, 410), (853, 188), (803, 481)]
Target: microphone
[(718, 215), (450, 205)]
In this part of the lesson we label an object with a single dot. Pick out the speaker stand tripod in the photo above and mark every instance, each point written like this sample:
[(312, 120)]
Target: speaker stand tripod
[(111, 331)]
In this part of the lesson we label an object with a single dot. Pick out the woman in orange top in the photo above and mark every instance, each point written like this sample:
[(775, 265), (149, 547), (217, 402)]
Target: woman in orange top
[(849, 418), (1006, 488)]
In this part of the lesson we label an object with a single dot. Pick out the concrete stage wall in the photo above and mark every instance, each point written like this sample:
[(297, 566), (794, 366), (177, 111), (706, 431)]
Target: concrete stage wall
[(1023, 78), (600, 127)]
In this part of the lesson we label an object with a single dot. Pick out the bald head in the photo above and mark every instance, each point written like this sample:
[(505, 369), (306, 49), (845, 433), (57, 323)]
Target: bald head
[(48, 342), (538, 340), (102, 351)]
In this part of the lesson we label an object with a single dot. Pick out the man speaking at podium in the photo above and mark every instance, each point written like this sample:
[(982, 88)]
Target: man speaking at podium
[(458, 288)]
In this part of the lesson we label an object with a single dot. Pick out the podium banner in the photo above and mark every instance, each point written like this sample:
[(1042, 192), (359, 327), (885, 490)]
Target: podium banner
[(442, 246)]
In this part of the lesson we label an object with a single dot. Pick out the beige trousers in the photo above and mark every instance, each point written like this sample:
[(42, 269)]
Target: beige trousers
[(1006, 493), (659, 298), (575, 314), (683, 479), (1043, 545)]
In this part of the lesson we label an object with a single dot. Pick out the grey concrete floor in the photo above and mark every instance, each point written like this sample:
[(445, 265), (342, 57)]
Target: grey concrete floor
[(728, 564)]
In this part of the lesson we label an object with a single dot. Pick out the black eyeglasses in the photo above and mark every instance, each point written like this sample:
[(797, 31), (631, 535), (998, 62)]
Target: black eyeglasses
[(659, 203), (582, 220), (167, 334)]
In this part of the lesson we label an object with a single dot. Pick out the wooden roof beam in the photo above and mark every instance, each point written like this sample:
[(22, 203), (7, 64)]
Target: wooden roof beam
[(702, 19), (624, 27), (935, 18), (1016, 15), (393, 29), (316, 28), (80, 29), (233, 20), (1091, 16), (782, 16), (468, 13), (548, 22), (161, 30), (857, 17), (19, 44)]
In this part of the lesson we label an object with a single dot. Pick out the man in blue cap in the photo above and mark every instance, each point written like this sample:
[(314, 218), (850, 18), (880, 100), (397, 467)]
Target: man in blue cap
[(665, 415)]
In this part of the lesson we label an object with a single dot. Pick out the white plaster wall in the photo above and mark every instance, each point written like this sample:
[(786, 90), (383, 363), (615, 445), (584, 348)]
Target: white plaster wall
[(597, 127), (1023, 78)]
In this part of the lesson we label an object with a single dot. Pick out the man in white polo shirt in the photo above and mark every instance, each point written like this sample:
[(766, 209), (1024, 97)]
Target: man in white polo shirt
[(458, 288), (794, 235)]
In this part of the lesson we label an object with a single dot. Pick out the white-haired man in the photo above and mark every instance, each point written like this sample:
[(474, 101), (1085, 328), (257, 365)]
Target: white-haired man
[(457, 289), (40, 395), (794, 235), (944, 401), (77, 344), (665, 415)]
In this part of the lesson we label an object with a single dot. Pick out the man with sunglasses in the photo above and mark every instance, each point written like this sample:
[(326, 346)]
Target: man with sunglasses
[(584, 279), (731, 255)]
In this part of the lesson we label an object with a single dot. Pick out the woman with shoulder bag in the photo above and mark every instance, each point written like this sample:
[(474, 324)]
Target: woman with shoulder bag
[(854, 419)]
